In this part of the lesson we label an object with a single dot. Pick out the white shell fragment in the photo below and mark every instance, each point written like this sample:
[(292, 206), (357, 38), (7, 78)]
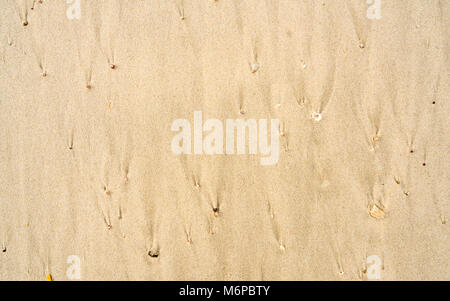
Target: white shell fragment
[(316, 116)]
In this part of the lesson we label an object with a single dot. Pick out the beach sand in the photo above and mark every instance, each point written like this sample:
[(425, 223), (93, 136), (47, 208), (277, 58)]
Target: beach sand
[(88, 97)]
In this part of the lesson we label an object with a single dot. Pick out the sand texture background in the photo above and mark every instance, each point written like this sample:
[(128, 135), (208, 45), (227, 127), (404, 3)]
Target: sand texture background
[(89, 171)]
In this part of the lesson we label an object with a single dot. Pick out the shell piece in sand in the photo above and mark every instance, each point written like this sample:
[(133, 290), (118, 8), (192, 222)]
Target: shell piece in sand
[(376, 212)]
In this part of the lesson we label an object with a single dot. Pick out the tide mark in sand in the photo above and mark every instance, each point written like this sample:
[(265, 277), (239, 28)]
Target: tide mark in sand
[(241, 101), (187, 231), (107, 222), (180, 9), (254, 66), (196, 184), (300, 100), (283, 134), (107, 192), (88, 77), (275, 229)]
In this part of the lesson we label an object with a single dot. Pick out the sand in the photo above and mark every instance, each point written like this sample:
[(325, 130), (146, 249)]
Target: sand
[(88, 181)]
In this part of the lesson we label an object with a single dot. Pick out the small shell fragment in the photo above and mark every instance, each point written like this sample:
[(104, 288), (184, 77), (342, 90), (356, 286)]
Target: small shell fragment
[(316, 116), (255, 67), (376, 212), (49, 277)]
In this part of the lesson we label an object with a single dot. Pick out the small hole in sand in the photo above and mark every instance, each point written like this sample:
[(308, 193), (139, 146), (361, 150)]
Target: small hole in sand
[(424, 164), (216, 212)]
